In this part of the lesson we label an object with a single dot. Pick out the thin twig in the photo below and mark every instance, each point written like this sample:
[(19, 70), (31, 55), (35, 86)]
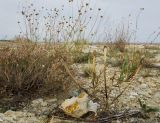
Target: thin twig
[(73, 78)]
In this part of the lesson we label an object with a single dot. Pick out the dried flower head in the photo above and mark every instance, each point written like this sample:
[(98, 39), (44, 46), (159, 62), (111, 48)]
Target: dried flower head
[(23, 13), (99, 9), (87, 4), (101, 16)]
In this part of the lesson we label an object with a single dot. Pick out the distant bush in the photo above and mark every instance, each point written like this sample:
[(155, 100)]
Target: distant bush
[(120, 44)]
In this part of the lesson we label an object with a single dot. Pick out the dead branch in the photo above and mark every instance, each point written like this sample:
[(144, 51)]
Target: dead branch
[(122, 115), (104, 118)]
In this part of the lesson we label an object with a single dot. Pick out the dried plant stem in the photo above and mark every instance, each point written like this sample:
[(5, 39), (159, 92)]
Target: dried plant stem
[(94, 71), (136, 71), (73, 78), (128, 79), (105, 81), (122, 115), (116, 98)]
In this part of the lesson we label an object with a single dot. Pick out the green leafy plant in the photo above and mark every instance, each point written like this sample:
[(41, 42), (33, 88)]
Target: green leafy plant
[(130, 64)]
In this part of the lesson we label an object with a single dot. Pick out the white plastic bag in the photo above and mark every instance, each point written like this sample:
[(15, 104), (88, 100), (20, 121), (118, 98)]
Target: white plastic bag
[(78, 106)]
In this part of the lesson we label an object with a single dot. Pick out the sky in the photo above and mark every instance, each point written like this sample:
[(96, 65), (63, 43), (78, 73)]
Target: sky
[(116, 10)]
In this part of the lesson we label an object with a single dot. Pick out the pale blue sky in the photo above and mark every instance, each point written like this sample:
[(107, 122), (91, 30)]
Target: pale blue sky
[(149, 20)]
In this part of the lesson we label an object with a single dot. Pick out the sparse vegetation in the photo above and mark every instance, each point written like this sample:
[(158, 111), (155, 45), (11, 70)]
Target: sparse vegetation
[(32, 68), (130, 64)]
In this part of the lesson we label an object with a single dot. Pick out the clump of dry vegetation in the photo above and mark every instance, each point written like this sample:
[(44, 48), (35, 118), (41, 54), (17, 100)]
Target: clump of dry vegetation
[(120, 44), (33, 67), (30, 66)]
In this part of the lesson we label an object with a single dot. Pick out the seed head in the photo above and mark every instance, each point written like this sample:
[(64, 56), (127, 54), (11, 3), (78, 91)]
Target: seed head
[(99, 9)]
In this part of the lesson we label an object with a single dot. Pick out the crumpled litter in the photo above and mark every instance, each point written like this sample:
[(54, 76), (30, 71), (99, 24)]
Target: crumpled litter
[(78, 106)]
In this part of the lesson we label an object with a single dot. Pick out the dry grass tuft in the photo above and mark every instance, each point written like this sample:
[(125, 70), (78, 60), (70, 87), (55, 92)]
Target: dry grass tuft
[(31, 68)]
